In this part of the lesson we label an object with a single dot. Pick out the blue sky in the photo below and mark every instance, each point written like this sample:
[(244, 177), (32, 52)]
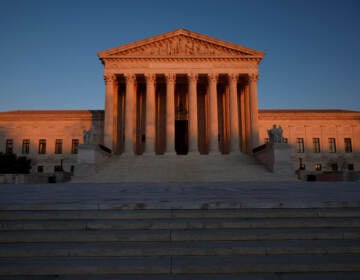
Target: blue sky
[(48, 49)]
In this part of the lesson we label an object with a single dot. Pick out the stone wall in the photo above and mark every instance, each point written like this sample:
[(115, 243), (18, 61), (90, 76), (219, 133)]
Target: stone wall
[(49, 125), (322, 124)]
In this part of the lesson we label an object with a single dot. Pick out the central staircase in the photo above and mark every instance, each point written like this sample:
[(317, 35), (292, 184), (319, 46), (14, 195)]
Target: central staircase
[(236, 167), (181, 244)]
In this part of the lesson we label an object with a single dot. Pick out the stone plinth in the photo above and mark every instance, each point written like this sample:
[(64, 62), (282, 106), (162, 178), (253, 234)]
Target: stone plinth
[(276, 157), (282, 162), (86, 164)]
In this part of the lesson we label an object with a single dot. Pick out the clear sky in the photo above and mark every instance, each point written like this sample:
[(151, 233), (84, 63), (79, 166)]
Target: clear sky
[(48, 48)]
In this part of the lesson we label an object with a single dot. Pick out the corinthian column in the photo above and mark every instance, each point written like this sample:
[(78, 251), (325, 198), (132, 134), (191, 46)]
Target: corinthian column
[(234, 114), (193, 116), (110, 81), (254, 109), (213, 113), (170, 113), (150, 114), (129, 113)]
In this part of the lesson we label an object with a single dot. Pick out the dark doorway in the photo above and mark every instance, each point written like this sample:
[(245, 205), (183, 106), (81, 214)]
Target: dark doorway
[(181, 137)]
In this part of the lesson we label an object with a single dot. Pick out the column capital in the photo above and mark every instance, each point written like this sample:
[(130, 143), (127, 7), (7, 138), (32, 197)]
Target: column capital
[(213, 76), (130, 77), (170, 77), (193, 77), (253, 77), (110, 78), (234, 77), (150, 77)]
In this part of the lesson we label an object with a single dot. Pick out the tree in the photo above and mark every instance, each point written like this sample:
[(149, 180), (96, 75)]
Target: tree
[(12, 164)]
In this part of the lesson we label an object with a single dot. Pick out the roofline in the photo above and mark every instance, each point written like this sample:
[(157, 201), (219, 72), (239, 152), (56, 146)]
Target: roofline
[(25, 115), (180, 31), (321, 111)]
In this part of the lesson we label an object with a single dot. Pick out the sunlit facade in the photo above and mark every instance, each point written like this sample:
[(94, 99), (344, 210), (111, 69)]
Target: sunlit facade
[(181, 93)]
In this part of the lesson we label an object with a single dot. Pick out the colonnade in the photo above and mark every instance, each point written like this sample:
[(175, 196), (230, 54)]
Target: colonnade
[(241, 108)]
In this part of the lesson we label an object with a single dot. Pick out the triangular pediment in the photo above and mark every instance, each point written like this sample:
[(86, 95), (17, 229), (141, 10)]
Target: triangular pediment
[(180, 43)]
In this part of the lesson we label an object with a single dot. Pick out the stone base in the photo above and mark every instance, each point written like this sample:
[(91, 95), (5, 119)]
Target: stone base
[(89, 156), (282, 162), (276, 158)]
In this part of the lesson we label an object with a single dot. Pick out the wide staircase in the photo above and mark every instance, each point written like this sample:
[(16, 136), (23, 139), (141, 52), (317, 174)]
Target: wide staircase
[(235, 167), (181, 244)]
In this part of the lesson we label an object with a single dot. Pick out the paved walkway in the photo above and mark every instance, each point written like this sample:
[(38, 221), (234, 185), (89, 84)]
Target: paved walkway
[(179, 195)]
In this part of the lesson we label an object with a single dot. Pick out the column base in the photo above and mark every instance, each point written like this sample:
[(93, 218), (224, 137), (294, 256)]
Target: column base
[(127, 154), (150, 154), (195, 153), (214, 153)]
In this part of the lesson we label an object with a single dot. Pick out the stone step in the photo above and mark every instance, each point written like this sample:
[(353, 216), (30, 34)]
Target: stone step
[(265, 234), (180, 223), (189, 168), (242, 276), (265, 264), (179, 235), (179, 265), (177, 213), (84, 236), (148, 249)]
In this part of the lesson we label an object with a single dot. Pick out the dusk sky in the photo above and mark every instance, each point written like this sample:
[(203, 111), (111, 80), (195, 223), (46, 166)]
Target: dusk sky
[(48, 48)]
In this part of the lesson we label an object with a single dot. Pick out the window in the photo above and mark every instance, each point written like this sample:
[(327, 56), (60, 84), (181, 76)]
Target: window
[(72, 170), (334, 167), (316, 145), (74, 146), (299, 145), (350, 166), (9, 146), (57, 168), (42, 146), (332, 145), (348, 146), (25, 147), (58, 146), (40, 169), (318, 167)]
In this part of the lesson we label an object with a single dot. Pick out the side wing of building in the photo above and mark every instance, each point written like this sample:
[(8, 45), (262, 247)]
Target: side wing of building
[(49, 138), (322, 140)]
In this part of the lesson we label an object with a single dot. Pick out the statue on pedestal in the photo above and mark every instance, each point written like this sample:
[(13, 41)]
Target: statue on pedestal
[(276, 134), (88, 137)]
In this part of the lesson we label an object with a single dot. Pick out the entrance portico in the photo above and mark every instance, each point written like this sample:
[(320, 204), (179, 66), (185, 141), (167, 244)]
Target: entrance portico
[(181, 92)]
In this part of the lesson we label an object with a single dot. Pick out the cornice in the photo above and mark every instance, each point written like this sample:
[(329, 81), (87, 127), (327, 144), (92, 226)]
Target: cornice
[(298, 114), (180, 59), (51, 115)]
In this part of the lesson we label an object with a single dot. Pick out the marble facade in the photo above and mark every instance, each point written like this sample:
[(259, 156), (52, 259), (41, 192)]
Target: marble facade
[(181, 92)]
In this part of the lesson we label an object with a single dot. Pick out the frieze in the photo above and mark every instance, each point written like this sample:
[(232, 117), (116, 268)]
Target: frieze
[(180, 46)]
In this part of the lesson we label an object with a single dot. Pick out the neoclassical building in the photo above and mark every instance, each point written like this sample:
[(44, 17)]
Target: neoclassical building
[(181, 93)]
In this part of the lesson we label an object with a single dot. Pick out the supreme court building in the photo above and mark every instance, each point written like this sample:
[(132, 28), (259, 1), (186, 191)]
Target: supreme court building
[(181, 93)]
